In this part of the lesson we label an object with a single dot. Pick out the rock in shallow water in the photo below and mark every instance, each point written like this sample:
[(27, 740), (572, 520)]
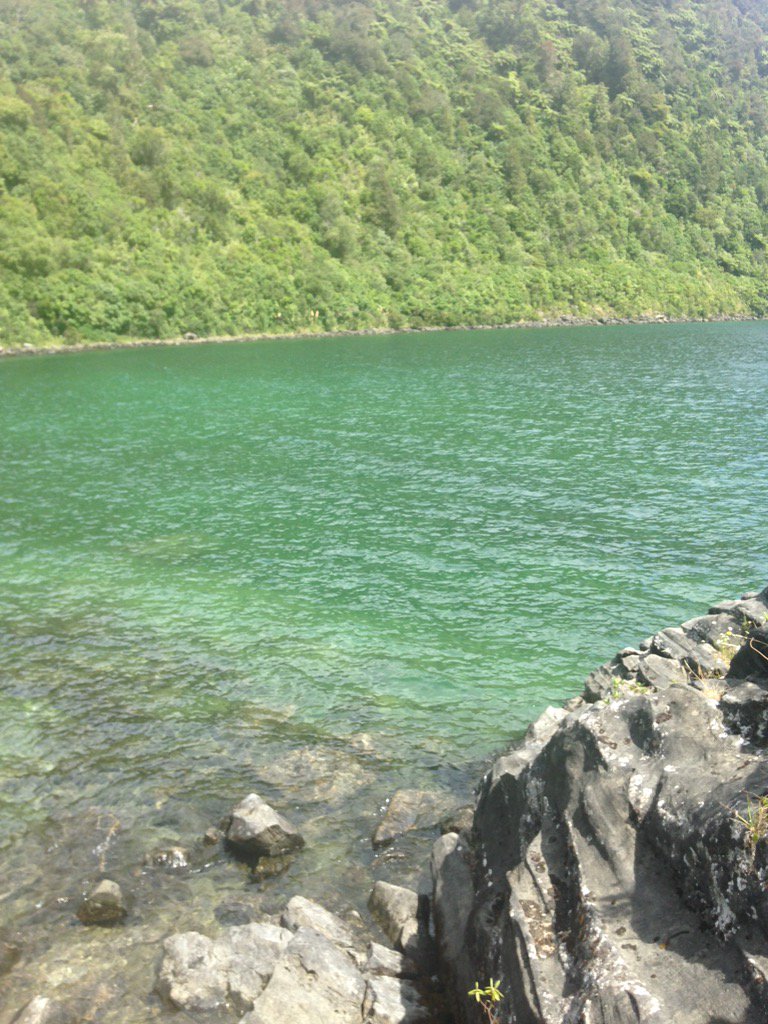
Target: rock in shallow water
[(103, 905), (409, 809), (42, 1010), (172, 858), (257, 830)]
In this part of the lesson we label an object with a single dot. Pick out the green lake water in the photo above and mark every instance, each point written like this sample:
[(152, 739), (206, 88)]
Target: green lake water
[(323, 570)]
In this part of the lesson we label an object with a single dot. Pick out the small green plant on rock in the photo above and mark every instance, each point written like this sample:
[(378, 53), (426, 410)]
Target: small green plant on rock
[(729, 642), (755, 821), (488, 997), (627, 686)]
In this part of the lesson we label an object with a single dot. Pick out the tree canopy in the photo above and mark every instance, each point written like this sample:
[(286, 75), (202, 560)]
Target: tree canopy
[(238, 166)]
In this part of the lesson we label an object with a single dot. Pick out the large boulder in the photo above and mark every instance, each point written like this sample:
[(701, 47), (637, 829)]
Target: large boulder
[(256, 830), (618, 866)]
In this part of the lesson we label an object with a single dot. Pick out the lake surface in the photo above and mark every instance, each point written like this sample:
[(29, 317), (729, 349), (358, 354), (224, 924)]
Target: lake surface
[(326, 569)]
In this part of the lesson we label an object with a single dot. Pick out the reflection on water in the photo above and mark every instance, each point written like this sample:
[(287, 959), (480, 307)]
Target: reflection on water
[(323, 571)]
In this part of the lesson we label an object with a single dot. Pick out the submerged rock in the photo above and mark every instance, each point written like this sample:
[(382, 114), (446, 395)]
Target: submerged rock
[(104, 904), (319, 774), (270, 867), (618, 867), (42, 1010), (256, 830), (212, 836), (172, 858), (410, 809)]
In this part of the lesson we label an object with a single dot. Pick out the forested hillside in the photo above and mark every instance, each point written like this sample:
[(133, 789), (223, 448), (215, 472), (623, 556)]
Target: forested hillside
[(231, 166)]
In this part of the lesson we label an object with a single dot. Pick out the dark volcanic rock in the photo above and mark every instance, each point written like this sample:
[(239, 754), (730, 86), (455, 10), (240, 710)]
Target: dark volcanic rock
[(618, 867), (256, 830), (751, 660)]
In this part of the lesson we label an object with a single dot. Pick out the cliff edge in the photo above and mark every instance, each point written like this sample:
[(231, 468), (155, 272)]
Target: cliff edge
[(617, 867)]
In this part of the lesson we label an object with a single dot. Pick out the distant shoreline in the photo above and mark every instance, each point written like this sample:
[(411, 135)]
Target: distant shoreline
[(193, 339)]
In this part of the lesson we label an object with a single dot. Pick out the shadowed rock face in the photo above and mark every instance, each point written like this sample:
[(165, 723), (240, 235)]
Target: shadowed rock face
[(609, 876)]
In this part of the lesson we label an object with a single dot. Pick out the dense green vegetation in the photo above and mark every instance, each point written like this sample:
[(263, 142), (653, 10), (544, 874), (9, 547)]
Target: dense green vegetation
[(229, 166)]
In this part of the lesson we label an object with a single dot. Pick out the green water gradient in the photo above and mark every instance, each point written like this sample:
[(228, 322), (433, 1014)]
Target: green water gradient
[(214, 555)]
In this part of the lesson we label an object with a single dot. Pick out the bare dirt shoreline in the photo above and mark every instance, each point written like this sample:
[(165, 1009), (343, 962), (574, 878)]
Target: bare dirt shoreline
[(193, 339)]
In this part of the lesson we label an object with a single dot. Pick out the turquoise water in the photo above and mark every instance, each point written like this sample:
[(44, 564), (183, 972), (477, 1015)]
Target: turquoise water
[(386, 554)]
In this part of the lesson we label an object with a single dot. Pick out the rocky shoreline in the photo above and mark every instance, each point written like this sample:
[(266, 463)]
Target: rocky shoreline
[(614, 870), (618, 863), (193, 339)]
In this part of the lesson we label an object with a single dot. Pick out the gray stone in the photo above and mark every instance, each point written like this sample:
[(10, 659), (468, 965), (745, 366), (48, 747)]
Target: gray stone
[(754, 611), (250, 953), (452, 905), (410, 809), (546, 725), (460, 820), (392, 1001), (702, 659), (403, 917), (661, 673), (385, 962), (303, 913), (394, 907), (312, 982), (256, 830), (192, 976), (745, 710), (201, 974), (104, 904)]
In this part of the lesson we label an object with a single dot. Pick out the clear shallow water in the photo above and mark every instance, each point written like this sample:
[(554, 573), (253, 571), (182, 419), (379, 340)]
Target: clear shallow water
[(378, 557)]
